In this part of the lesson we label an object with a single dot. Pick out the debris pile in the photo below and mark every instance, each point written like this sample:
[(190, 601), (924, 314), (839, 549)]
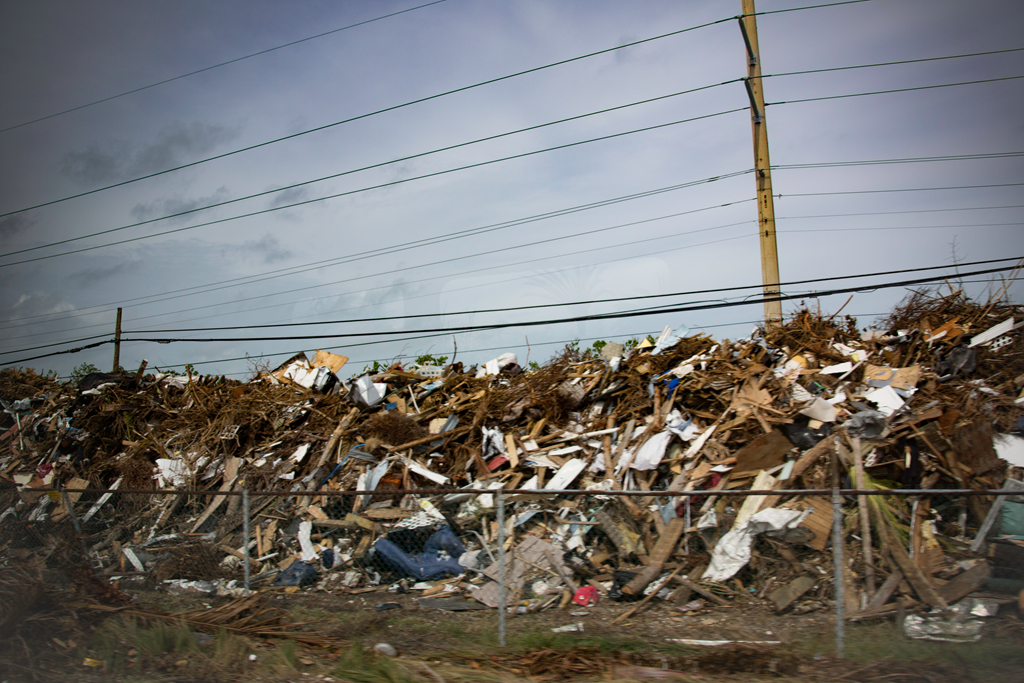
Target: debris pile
[(932, 401)]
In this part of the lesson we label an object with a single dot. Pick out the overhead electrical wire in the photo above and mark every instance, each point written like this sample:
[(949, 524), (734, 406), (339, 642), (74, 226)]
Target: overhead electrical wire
[(378, 186), (905, 227), (906, 160), (601, 316), (587, 318), (350, 119), (356, 258), (488, 268), (887, 213), (515, 222), (692, 292), (836, 164), (381, 164), (470, 272), (569, 210), (894, 90), (898, 189), (214, 66), (902, 61)]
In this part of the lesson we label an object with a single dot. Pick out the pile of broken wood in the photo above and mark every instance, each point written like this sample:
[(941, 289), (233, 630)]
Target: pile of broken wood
[(929, 402)]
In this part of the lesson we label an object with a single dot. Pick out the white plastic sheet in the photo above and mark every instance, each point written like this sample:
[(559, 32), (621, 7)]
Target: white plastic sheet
[(732, 552)]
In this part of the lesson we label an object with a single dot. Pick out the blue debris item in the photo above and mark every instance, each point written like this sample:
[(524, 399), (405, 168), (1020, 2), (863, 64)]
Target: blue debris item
[(440, 556), (298, 573)]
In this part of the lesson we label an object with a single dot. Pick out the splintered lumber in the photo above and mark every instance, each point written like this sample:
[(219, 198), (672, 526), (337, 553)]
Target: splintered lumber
[(230, 474), (625, 615), (626, 436), (964, 584), (910, 570), (701, 591), (788, 594), (885, 591), (810, 456), (458, 431), (865, 520), (662, 551), (619, 536)]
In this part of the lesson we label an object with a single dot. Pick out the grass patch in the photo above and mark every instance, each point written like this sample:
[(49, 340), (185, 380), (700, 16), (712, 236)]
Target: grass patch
[(884, 642), (132, 645), (358, 665)]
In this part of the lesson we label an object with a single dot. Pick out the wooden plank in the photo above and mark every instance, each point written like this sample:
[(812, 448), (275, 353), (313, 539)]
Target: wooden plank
[(788, 594), (885, 591), (230, 475), (910, 570), (819, 522), (664, 548), (388, 513), (764, 452), (966, 583)]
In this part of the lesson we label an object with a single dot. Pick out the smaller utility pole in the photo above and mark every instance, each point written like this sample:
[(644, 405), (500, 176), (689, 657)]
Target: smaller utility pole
[(117, 342), (762, 168)]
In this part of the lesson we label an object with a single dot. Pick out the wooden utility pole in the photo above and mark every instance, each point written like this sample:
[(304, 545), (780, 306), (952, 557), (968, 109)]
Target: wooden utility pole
[(762, 168), (117, 342)]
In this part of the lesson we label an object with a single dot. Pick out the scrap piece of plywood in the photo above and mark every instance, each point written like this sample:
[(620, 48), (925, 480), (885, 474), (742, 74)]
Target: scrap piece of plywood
[(788, 594), (764, 452), (329, 360), (819, 522)]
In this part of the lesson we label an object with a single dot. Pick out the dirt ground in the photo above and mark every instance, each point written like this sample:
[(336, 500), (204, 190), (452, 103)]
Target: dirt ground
[(438, 646)]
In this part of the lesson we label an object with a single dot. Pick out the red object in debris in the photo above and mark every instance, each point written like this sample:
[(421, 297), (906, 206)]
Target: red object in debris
[(585, 596)]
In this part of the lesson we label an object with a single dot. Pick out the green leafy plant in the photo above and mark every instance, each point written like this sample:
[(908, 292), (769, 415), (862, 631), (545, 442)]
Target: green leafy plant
[(376, 368), (81, 371), (436, 361)]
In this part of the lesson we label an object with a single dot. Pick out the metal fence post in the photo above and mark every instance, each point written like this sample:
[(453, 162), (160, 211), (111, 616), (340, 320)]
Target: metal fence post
[(75, 524), (837, 561), (502, 608), (245, 537)]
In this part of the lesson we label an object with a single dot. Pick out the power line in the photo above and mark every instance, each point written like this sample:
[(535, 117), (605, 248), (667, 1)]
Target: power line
[(378, 186), (902, 189), (374, 113), (532, 307), (292, 270), (214, 66), (902, 61), (489, 268), (582, 303), (887, 213), (885, 92), (585, 318), (624, 198), (342, 260), (361, 169), (797, 9), (908, 160), (906, 227)]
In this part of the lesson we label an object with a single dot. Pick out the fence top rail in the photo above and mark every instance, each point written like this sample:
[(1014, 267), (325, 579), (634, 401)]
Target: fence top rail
[(546, 493)]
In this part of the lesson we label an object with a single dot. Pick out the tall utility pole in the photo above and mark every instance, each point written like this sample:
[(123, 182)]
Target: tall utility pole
[(762, 168)]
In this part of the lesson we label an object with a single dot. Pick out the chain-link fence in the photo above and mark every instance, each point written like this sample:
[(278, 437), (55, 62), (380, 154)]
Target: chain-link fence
[(859, 554)]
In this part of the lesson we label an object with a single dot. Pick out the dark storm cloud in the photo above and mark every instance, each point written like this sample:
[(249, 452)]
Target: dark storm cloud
[(176, 205), (176, 144), (94, 276), (11, 226), (267, 248)]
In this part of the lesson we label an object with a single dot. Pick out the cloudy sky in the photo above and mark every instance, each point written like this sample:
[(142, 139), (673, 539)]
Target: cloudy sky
[(323, 162)]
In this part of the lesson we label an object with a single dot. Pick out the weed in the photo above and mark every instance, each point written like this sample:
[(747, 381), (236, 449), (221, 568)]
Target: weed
[(357, 665)]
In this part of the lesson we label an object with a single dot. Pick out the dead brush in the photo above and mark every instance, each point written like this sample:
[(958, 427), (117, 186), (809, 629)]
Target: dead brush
[(394, 428)]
